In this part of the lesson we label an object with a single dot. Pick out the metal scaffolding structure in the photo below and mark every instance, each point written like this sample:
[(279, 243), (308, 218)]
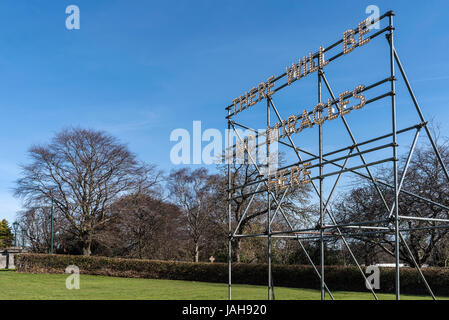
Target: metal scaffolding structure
[(390, 224)]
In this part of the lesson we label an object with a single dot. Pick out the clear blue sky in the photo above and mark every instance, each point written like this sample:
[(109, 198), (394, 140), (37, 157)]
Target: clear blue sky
[(139, 69)]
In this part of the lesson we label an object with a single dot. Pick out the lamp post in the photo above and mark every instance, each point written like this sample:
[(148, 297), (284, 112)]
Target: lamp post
[(51, 224), (23, 238), (15, 226)]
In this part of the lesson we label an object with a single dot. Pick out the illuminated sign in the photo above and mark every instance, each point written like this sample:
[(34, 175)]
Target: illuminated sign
[(305, 66), (295, 123)]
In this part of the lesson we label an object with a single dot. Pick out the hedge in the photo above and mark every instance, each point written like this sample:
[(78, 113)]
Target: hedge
[(338, 278)]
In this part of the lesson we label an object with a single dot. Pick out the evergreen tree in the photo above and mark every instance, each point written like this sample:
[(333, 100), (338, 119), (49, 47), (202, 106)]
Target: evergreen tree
[(6, 235)]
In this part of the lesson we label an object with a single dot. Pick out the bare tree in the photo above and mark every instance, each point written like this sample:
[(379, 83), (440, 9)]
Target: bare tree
[(145, 228), (295, 204), (424, 178), (36, 222), (192, 192), (84, 171)]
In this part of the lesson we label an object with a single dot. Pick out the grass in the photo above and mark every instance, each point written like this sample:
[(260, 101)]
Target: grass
[(15, 286)]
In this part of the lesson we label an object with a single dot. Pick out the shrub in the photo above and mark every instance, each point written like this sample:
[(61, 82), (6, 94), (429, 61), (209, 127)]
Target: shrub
[(338, 278)]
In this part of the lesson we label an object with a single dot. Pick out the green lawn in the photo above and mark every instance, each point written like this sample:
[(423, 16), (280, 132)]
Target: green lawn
[(15, 285)]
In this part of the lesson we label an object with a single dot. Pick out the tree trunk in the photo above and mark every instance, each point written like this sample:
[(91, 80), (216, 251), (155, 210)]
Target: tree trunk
[(87, 243), (197, 252), (238, 243), (86, 250), (237, 250)]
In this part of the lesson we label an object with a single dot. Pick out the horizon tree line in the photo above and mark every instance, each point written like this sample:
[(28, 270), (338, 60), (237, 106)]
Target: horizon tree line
[(108, 203)]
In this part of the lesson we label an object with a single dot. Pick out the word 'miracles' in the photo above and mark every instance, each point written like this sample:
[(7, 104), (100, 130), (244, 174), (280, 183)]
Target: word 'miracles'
[(295, 124)]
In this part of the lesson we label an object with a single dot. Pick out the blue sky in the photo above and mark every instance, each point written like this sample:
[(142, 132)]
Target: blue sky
[(139, 69)]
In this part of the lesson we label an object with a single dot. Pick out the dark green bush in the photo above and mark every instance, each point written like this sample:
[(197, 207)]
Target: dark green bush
[(337, 278)]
